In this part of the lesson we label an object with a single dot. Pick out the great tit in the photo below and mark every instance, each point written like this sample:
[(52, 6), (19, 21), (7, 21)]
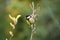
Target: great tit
[(30, 20)]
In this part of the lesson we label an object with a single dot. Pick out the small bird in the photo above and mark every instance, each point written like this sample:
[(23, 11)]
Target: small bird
[(30, 20)]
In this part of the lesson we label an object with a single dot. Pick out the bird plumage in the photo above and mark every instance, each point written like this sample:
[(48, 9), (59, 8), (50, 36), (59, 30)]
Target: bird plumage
[(30, 20)]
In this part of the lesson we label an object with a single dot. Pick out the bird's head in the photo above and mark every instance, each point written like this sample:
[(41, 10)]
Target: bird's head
[(28, 17)]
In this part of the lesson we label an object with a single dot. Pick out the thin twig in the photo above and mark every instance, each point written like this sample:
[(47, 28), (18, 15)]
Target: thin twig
[(34, 16), (10, 38), (32, 33)]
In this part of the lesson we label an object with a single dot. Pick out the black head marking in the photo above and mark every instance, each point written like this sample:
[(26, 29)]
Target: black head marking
[(27, 17)]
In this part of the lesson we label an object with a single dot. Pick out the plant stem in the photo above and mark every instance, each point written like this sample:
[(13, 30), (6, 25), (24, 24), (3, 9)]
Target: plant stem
[(32, 33), (10, 38)]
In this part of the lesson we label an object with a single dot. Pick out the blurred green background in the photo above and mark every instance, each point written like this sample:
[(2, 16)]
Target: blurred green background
[(47, 25)]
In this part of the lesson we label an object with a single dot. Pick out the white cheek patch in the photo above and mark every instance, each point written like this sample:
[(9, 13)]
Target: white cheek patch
[(28, 17)]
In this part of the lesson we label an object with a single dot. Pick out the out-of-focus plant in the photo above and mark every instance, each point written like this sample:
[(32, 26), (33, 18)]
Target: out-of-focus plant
[(15, 20)]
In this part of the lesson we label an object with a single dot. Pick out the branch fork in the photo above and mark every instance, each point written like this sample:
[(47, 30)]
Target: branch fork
[(34, 16)]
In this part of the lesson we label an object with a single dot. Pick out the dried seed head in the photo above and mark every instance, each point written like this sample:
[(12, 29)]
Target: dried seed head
[(12, 18), (13, 26), (18, 17), (11, 33)]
